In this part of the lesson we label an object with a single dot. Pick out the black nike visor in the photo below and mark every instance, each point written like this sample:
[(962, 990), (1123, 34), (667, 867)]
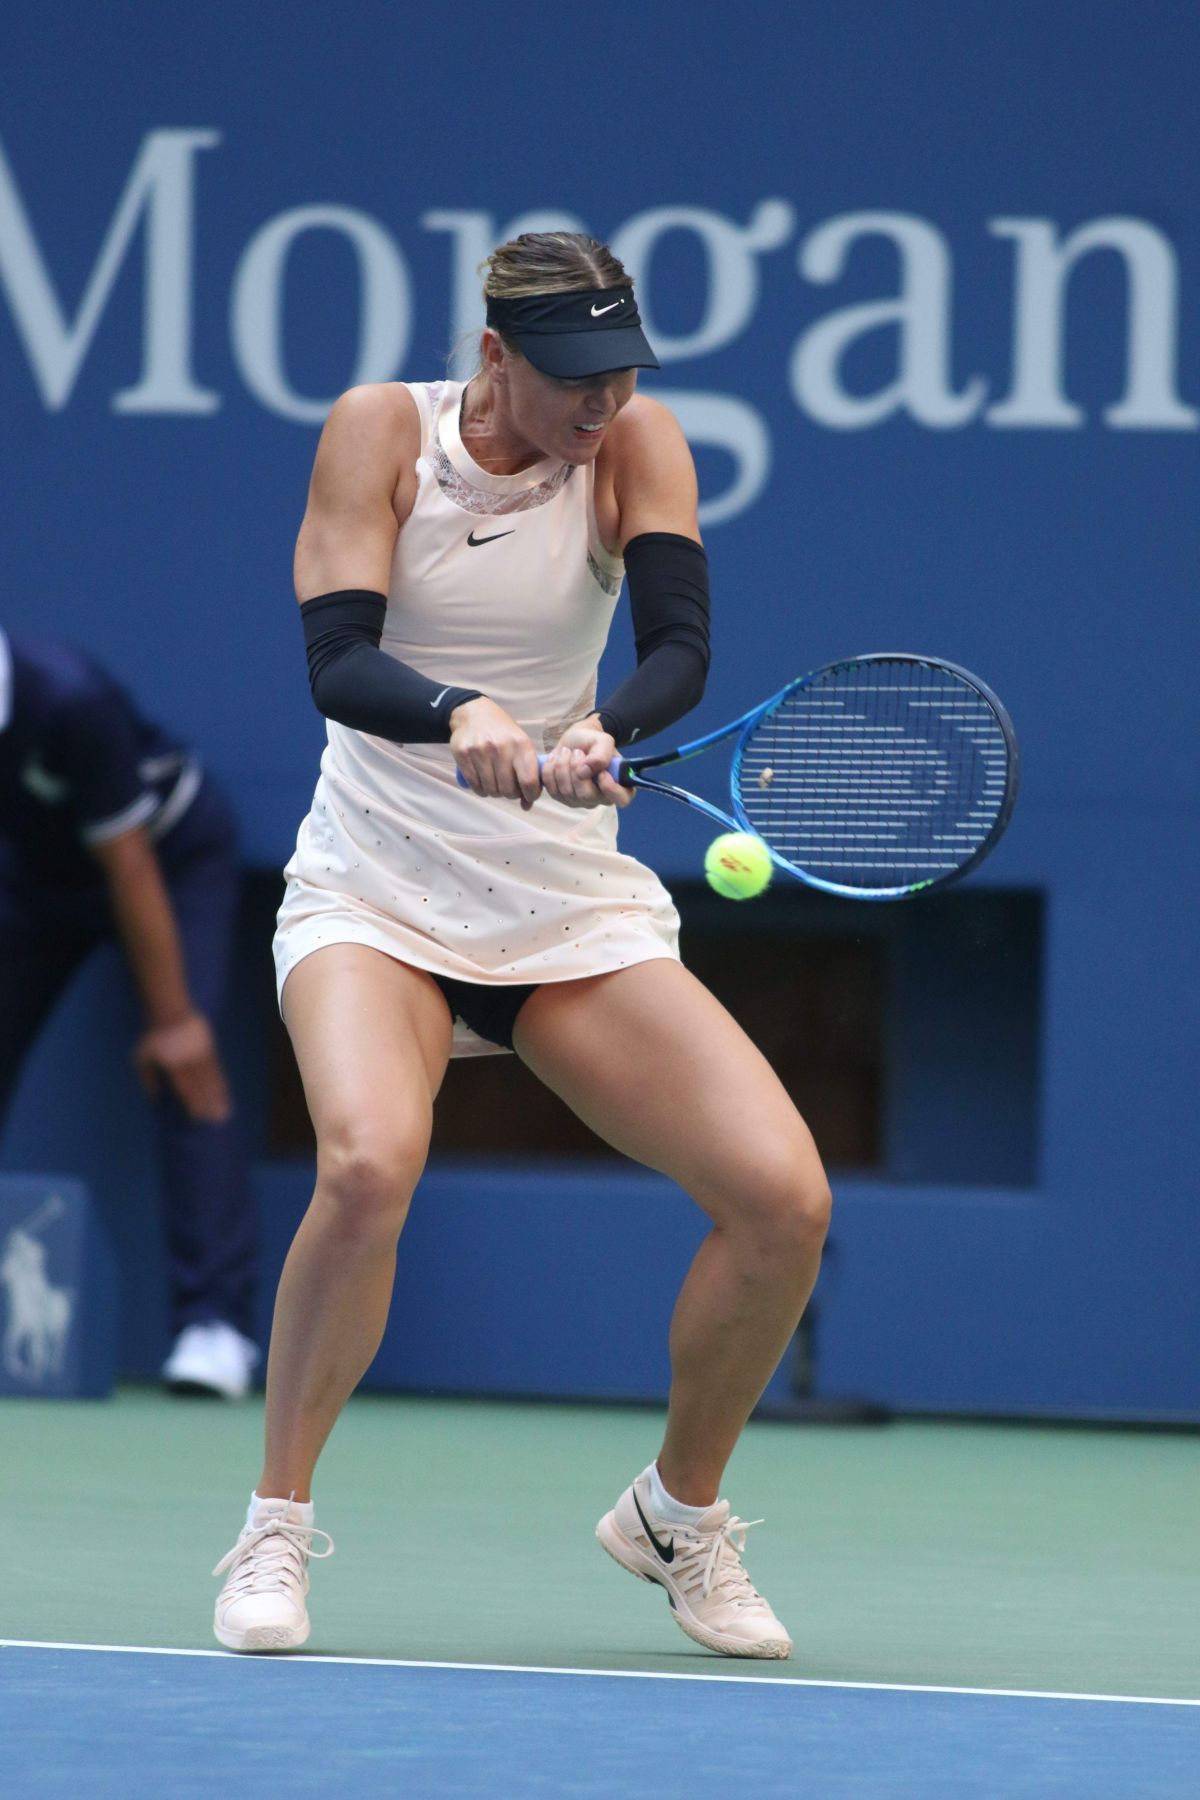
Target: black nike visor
[(575, 334)]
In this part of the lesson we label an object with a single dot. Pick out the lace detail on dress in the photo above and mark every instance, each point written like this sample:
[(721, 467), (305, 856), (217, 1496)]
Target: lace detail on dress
[(459, 491), (610, 583)]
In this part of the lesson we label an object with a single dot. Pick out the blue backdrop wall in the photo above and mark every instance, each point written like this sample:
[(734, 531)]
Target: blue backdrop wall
[(922, 278)]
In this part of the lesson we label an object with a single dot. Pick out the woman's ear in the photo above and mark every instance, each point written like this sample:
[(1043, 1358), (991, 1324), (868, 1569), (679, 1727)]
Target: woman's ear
[(491, 354)]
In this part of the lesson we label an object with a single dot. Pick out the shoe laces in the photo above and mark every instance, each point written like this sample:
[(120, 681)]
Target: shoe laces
[(272, 1556), (716, 1557)]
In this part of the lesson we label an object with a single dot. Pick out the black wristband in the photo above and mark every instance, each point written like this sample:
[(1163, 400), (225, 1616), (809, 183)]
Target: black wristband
[(669, 601), (664, 686), (356, 683)]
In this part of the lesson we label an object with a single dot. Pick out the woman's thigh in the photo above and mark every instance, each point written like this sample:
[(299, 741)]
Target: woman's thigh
[(372, 1039), (661, 1071)]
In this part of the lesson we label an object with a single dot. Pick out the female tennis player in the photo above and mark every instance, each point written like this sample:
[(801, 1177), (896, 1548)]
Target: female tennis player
[(458, 568)]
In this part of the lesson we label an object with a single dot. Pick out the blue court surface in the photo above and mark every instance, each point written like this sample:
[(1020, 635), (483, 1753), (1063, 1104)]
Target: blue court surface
[(78, 1720)]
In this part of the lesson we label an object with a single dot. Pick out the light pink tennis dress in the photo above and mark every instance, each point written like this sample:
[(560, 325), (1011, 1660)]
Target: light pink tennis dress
[(498, 582)]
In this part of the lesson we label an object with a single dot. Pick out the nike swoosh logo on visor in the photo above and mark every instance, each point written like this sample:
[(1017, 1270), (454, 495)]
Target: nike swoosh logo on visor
[(667, 1553), (599, 311)]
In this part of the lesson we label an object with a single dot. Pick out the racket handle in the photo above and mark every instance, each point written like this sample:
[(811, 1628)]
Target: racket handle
[(614, 769)]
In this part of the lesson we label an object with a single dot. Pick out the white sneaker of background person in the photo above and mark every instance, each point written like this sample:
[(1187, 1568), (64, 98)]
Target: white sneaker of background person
[(262, 1605), (694, 1552), (212, 1358)]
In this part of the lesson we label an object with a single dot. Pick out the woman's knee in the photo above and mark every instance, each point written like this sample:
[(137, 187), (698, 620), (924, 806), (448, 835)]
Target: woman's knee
[(786, 1202), (367, 1177), (813, 1208)]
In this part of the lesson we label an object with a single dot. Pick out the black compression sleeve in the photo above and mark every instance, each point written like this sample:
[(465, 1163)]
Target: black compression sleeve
[(668, 598), (356, 683)]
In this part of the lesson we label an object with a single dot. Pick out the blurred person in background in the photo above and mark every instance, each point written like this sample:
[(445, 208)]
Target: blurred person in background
[(110, 830)]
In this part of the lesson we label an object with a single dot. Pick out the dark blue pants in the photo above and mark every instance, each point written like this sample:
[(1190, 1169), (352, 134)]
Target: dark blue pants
[(46, 932)]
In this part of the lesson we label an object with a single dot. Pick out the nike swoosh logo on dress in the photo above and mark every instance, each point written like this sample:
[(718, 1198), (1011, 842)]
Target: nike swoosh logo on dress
[(475, 542)]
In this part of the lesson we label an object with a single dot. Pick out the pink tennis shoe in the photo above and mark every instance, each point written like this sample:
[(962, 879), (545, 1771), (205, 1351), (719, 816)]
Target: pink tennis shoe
[(262, 1605), (712, 1597)]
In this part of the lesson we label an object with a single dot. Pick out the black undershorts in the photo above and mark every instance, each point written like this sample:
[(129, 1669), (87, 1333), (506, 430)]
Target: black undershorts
[(489, 1009)]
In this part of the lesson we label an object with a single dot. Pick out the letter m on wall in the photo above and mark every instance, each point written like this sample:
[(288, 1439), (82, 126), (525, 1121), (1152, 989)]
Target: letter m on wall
[(160, 191)]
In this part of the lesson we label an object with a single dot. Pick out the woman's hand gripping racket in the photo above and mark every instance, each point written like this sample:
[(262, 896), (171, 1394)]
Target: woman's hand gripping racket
[(875, 778)]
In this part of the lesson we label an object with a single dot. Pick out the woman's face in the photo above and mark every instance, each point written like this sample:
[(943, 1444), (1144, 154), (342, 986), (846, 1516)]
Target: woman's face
[(563, 419)]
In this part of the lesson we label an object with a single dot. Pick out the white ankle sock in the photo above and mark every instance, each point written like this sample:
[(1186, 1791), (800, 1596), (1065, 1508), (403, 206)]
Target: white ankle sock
[(666, 1506), (302, 1510)]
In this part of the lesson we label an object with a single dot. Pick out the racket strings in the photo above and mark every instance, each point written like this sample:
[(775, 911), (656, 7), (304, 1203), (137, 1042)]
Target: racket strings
[(878, 775)]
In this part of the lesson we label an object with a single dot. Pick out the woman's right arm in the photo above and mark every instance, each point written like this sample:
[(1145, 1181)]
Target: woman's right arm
[(362, 490), (357, 496)]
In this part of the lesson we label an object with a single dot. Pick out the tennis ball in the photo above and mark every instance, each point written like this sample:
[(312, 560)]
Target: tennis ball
[(738, 865)]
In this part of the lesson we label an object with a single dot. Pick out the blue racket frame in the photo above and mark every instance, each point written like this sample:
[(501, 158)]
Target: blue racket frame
[(628, 771)]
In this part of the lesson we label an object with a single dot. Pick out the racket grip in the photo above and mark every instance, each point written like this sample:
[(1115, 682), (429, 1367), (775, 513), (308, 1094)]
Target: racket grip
[(614, 769)]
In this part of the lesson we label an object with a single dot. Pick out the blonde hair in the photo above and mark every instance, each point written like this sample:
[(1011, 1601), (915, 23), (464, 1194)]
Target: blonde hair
[(550, 262)]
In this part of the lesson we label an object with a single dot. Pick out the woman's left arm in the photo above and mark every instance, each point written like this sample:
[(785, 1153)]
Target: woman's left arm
[(655, 491)]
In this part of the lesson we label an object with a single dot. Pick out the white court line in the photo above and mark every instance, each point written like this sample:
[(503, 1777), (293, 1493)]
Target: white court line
[(399, 1662)]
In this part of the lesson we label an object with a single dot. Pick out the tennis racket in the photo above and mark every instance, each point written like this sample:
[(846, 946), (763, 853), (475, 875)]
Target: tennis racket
[(876, 778)]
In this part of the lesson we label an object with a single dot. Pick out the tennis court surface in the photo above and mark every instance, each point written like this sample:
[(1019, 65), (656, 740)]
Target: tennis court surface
[(978, 1609)]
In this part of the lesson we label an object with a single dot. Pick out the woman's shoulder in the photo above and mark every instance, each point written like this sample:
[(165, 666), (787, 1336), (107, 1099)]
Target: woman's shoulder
[(644, 414), (644, 428), (375, 404), (645, 438), (377, 423)]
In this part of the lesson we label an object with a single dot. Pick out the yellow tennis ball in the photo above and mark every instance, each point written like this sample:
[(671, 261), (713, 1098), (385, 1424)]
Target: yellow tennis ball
[(738, 865)]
